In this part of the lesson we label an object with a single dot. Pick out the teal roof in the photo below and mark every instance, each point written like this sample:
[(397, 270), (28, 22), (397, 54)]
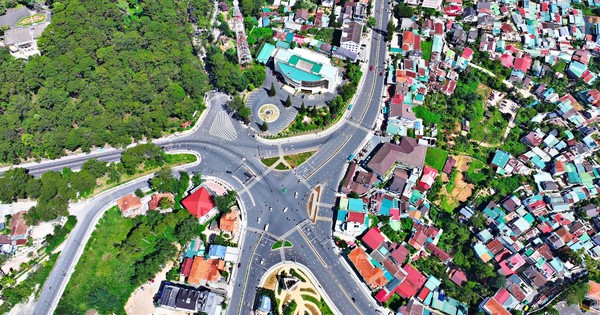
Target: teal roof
[(297, 74), (265, 53), (356, 205), (316, 68), (341, 215), (501, 158), (577, 68), (438, 43), (283, 44), (385, 207)]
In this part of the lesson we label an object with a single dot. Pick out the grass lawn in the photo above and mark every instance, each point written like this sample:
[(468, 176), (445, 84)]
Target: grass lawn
[(490, 130), (436, 158), (270, 161), (426, 49), (281, 167), (450, 185), (323, 307), (279, 244), (36, 18), (296, 160), (474, 173)]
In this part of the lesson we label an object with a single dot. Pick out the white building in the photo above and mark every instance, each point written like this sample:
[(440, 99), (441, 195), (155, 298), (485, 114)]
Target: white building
[(351, 34), (306, 70)]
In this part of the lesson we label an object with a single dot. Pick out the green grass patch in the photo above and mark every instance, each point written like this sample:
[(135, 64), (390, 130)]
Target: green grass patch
[(270, 161), (476, 173), (296, 160), (281, 167), (436, 158), (426, 47), (450, 186), (297, 274), (489, 130), (36, 18), (428, 116), (122, 254), (323, 307), (180, 158), (279, 244)]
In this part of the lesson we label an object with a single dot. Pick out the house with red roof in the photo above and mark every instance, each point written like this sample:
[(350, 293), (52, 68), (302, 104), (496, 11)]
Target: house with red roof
[(458, 276), (428, 178), (18, 227), (130, 205), (373, 238), (523, 64), (413, 282), (372, 275), (492, 307), (201, 205), (438, 252), (186, 267)]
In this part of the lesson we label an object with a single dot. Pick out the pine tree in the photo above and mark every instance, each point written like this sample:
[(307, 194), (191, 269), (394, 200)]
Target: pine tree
[(303, 108), (264, 126), (288, 102), (272, 91)]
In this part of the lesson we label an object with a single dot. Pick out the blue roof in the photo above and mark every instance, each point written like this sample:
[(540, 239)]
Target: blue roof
[(356, 205), (265, 53), (386, 205), (217, 251), (297, 74)]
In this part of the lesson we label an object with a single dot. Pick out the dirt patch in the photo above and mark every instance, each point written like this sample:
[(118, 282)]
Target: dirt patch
[(312, 309), (271, 282), (460, 190), (306, 119)]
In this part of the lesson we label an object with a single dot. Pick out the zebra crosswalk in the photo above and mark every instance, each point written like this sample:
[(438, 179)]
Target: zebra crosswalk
[(222, 127)]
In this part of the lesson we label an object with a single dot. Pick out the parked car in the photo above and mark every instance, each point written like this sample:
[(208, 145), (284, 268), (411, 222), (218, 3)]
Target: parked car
[(371, 68)]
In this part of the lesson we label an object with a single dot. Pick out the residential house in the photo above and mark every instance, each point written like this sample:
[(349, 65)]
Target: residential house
[(201, 205), (206, 271), (18, 226), (409, 154), (372, 275), (229, 221), (154, 202), (130, 205)]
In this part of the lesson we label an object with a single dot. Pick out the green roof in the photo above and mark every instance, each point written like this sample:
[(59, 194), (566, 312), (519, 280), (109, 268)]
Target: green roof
[(265, 53), (316, 68)]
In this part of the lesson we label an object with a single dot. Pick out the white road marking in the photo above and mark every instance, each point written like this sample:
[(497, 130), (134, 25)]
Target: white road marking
[(222, 127)]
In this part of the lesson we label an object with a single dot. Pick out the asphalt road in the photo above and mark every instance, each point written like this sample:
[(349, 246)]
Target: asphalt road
[(241, 153)]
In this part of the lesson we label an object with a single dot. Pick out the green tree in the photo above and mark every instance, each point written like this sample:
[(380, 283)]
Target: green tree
[(95, 167), (244, 114), (83, 182), (264, 126), (197, 179), (288, 102), (403, 11), (224, 203), (164, 181), (391, 28), (272, 91), (139, 193)]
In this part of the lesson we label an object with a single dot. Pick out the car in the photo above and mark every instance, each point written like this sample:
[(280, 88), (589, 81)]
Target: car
[(350, 106), (228, 172), (285, 209), (296, 195), (267, 227), (371, 68), (262, 261), (270, 208), (239, 265), (258, 220), (247, 174), (381, 73), (353, 300)]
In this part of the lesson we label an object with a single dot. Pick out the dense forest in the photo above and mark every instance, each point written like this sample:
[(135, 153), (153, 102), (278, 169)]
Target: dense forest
[(110, 72)]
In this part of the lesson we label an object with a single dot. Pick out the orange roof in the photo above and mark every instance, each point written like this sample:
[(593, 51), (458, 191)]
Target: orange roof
[(373, 276), (205, 270), (594, 292), (129, 202), (494, 307), (156, 198), (227, 222)]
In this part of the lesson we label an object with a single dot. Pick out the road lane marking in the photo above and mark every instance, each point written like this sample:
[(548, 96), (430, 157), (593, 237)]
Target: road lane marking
[(312, 248), (247, 274)]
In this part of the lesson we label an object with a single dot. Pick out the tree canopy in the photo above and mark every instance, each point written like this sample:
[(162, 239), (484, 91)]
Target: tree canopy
[(108, 73)]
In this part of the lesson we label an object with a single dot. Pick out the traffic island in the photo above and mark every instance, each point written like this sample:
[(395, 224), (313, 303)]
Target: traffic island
[(279, 244), (313, 203)]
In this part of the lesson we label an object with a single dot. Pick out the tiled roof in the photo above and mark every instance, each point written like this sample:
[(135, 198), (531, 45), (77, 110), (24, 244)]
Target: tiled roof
[(372, 276), (205, 270), (373, 238), (199, 203), (129, 202)]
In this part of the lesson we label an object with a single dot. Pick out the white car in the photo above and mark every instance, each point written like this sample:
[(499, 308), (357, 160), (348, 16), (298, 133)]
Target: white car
[(258, 220), (285, 209), (296, 195)]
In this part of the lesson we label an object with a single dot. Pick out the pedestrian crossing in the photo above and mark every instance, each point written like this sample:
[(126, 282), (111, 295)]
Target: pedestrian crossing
[(222, 127)]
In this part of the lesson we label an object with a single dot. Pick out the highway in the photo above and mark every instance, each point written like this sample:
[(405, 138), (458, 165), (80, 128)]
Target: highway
[(235, 148)]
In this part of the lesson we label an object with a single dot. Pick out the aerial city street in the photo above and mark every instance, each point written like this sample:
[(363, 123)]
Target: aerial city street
[(303, 157)]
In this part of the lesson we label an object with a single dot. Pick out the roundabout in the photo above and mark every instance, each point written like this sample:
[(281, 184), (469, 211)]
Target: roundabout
[(268, 113)]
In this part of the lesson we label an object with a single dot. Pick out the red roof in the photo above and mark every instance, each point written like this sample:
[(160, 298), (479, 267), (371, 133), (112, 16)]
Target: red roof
[(412, 283), (357, 217), (373, 238), (467, 53), (493, 307), (502, 295), (395, 214), (399, 254), (383, 296), (458, 277), (523, 64), (199, 203), (438, 252), (423, 294), (186, 266)]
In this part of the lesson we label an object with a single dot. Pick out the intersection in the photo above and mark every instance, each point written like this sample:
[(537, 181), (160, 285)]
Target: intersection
[(228, 151)]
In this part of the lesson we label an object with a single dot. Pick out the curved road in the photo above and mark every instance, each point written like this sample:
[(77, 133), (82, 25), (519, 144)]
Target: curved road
[(240, 152)]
